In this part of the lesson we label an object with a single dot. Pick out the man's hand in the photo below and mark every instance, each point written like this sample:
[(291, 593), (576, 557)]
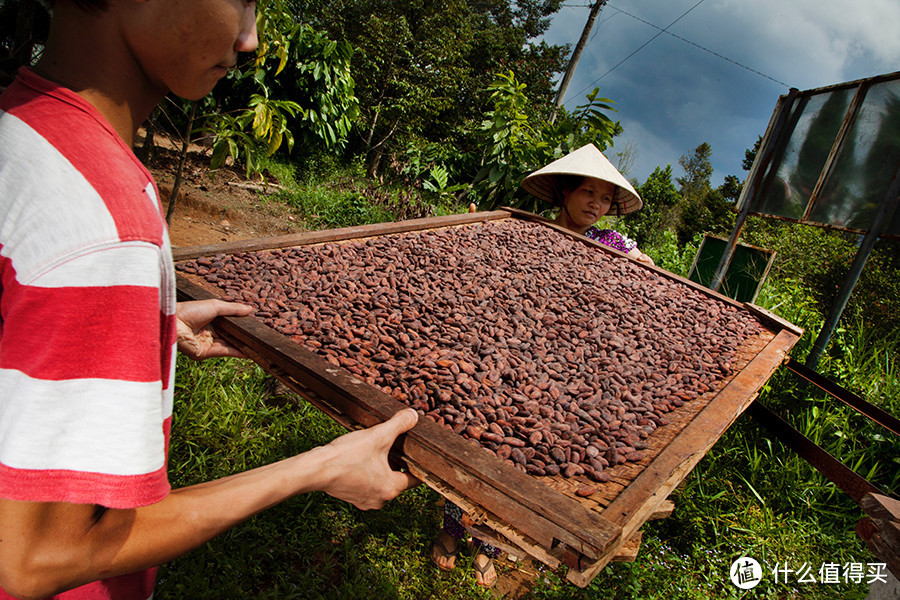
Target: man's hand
[(358, 469), (196, 337)]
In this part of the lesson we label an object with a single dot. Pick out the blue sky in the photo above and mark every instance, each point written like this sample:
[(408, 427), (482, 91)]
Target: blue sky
[(671, 95)]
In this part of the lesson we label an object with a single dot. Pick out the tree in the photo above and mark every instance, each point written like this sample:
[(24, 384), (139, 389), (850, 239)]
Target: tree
[(253, 116), (694, 187), (516, 142), (421, 68), (731, 188), (697, 170), (659, 196), (750, 155), (625, 156), (702, 208)]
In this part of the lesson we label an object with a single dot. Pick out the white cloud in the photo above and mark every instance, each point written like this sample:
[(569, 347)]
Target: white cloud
[(809, 43), (672, 95), (650, 149)]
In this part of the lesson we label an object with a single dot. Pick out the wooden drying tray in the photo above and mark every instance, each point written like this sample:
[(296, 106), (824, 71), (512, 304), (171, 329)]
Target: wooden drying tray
[(541, 516)]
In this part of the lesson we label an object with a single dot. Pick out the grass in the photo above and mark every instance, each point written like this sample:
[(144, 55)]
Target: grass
[(311, 546), (748, 496)]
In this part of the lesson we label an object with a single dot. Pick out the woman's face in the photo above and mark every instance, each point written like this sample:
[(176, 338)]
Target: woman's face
[(589, 201)]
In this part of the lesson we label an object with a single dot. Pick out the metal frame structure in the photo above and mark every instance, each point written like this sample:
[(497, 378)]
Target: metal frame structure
[(879, 534), (788, 111)]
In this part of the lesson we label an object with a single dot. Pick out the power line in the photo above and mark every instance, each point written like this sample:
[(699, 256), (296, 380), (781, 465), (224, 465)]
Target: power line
[(696, 45), (644, 45), (665, 30), (599, 25)]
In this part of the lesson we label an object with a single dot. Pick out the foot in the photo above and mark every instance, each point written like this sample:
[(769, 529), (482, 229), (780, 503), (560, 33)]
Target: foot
[(485, 574), (444, 550)]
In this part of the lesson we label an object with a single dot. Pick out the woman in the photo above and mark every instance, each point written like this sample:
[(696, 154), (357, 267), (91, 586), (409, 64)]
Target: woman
[(586, 186), (448, 543)]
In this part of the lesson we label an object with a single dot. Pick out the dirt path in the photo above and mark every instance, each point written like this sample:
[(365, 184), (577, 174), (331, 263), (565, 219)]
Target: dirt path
[(216, 208)]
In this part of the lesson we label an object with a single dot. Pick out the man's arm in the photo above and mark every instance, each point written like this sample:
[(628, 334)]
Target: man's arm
[(46, 548)]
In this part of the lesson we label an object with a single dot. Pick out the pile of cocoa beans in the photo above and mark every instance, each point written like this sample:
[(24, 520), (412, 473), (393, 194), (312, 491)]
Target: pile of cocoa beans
[(558, 357)]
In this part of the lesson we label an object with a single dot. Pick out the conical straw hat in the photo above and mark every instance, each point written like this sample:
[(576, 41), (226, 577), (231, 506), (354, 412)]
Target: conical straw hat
[(587, 161)]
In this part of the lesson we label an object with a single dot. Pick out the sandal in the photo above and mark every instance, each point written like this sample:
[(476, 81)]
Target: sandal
[(439, 547), (484, 569)]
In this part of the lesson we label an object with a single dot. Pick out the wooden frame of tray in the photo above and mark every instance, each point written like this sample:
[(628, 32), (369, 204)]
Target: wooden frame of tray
[(540, 516)]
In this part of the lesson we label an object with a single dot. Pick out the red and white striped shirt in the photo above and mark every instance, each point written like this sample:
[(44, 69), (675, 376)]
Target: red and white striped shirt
[(87, 313)]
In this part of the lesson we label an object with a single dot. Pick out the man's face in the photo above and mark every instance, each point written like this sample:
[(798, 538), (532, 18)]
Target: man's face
[(186, 46)]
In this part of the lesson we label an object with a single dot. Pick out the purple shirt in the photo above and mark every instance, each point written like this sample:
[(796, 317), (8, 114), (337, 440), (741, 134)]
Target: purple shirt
[(611, 238)]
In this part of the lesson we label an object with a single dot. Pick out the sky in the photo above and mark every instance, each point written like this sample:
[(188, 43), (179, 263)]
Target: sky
[(671, 95)]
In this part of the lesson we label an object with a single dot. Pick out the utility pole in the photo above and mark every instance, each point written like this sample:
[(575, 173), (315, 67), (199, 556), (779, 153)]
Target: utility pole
[(576, 54)]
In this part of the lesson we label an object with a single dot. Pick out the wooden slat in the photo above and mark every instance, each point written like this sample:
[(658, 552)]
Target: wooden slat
[(629, 550), (884, 513), (647, 492), (492, 534), (879, 506), (512, 495), (853, 484), (876, 543), (663, 511), (543, 514), (869, 410), (773, 319), (336, 235), (488, 528)]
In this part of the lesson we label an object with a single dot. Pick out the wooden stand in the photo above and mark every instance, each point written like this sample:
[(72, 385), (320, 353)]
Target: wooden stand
[(881, 529)]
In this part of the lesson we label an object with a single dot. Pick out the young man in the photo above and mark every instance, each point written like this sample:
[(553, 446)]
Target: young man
[(89, 323)]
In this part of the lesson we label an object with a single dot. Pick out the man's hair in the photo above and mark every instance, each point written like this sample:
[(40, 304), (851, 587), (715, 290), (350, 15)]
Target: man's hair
[(93, 7)]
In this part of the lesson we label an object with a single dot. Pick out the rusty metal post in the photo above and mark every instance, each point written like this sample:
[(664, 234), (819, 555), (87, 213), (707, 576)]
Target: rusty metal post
[(853, 484)]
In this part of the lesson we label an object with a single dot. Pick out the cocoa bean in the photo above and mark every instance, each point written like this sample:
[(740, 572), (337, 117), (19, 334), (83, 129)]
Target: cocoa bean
[(584, 491), (518, 456), (492, 437), (572, 469), (599, 476), (557, 454), (496, 346)]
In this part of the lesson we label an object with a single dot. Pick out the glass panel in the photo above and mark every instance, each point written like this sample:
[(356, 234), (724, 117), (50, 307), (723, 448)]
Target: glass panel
[(745, 275), (800, 160), (867, 163), (894, 229)]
